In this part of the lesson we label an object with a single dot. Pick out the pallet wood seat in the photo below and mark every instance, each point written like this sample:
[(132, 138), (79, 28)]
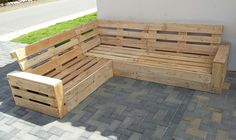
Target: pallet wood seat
[(175, 54), (57, 75), (61, 71)]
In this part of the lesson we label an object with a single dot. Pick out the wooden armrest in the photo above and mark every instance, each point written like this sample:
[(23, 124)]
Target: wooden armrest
[(222, 54), (34, 78), (44, 90)]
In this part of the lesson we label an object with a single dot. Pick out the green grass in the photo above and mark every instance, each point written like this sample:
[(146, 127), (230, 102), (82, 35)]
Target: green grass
[(54, 29)]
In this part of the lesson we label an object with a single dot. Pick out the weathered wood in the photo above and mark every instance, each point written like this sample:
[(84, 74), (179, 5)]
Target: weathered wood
[(29, 95), (33, 82), (190, 28), (82, 59), (36, 106), (53, 51), (59, 95), (148, 73), (222, 54), (85, 87), (43, 45), (50, 65), (219, 68)]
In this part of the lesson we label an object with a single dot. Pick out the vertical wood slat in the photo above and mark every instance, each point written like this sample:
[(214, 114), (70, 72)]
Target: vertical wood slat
[(119, 37), (219, 68), (182, 43)]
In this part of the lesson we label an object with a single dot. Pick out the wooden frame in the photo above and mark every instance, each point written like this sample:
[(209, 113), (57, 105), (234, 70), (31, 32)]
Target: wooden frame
[(61, 71)]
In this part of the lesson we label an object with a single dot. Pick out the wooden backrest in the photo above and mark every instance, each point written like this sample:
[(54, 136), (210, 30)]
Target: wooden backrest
[(53, 53), (185, 38), (181, 38), (123, 33)]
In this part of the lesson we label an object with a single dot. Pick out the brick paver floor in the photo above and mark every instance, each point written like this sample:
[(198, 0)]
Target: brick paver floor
[(123, 109)]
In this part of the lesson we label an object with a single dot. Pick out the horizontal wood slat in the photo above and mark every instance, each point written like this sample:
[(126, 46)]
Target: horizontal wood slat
[(86, 27), (192, 28), (33, 82), (43, 45), (85, 46), (28, 95), (122, 24), (136, 43), (25, 64), (85, 87), (148, 73), (187, 38), (36, 106), (46, 67)]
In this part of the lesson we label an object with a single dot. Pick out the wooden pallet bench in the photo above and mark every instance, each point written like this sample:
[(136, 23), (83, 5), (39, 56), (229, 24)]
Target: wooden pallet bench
[(61, 71)]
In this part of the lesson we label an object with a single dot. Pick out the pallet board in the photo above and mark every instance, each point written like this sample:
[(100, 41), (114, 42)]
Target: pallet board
[(63, 70)]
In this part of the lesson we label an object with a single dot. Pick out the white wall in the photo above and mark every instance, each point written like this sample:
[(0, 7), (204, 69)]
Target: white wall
[(179, 11)]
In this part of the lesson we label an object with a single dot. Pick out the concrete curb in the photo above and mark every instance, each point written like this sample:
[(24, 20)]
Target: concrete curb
[(12, 35)]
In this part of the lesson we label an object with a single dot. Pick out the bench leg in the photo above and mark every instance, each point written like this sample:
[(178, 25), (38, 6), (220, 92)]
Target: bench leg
[(218, 77)]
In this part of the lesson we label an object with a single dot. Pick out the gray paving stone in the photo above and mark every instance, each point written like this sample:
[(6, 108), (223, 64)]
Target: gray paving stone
[(56, 131), (43, 134), (10, 135)]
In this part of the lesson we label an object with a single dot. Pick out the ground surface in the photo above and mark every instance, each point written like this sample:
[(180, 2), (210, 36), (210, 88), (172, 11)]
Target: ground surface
[(23, 18), (126, 109), (23, 5)]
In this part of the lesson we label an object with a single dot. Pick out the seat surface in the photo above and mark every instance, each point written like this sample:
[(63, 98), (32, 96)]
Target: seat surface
[(160, 59), (77, 70)]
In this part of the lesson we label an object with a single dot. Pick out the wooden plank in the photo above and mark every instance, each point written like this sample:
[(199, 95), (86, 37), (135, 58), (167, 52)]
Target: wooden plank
[(25, 63), (151, 55), (122, 24), (86, 27), (190, 28), (79, 71), (218, 77), (179, 62), (36, 106), (37, 97), (83, 73), (123, 42), (88, 35), (188, 38), (33, 82), (59, 94), (73, 68), (153, 59), (85, 46), (123, 33), (121, 50), (187, 48), (219, 68), (46, 67), (175, 66), (110, 53), (175, 73), (222, 54), (65, 66), (43, 45), (147, 73), (84, 88), (111, 57)]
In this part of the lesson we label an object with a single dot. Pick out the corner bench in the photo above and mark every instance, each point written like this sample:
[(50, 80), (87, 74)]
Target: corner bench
[(61, 71)]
